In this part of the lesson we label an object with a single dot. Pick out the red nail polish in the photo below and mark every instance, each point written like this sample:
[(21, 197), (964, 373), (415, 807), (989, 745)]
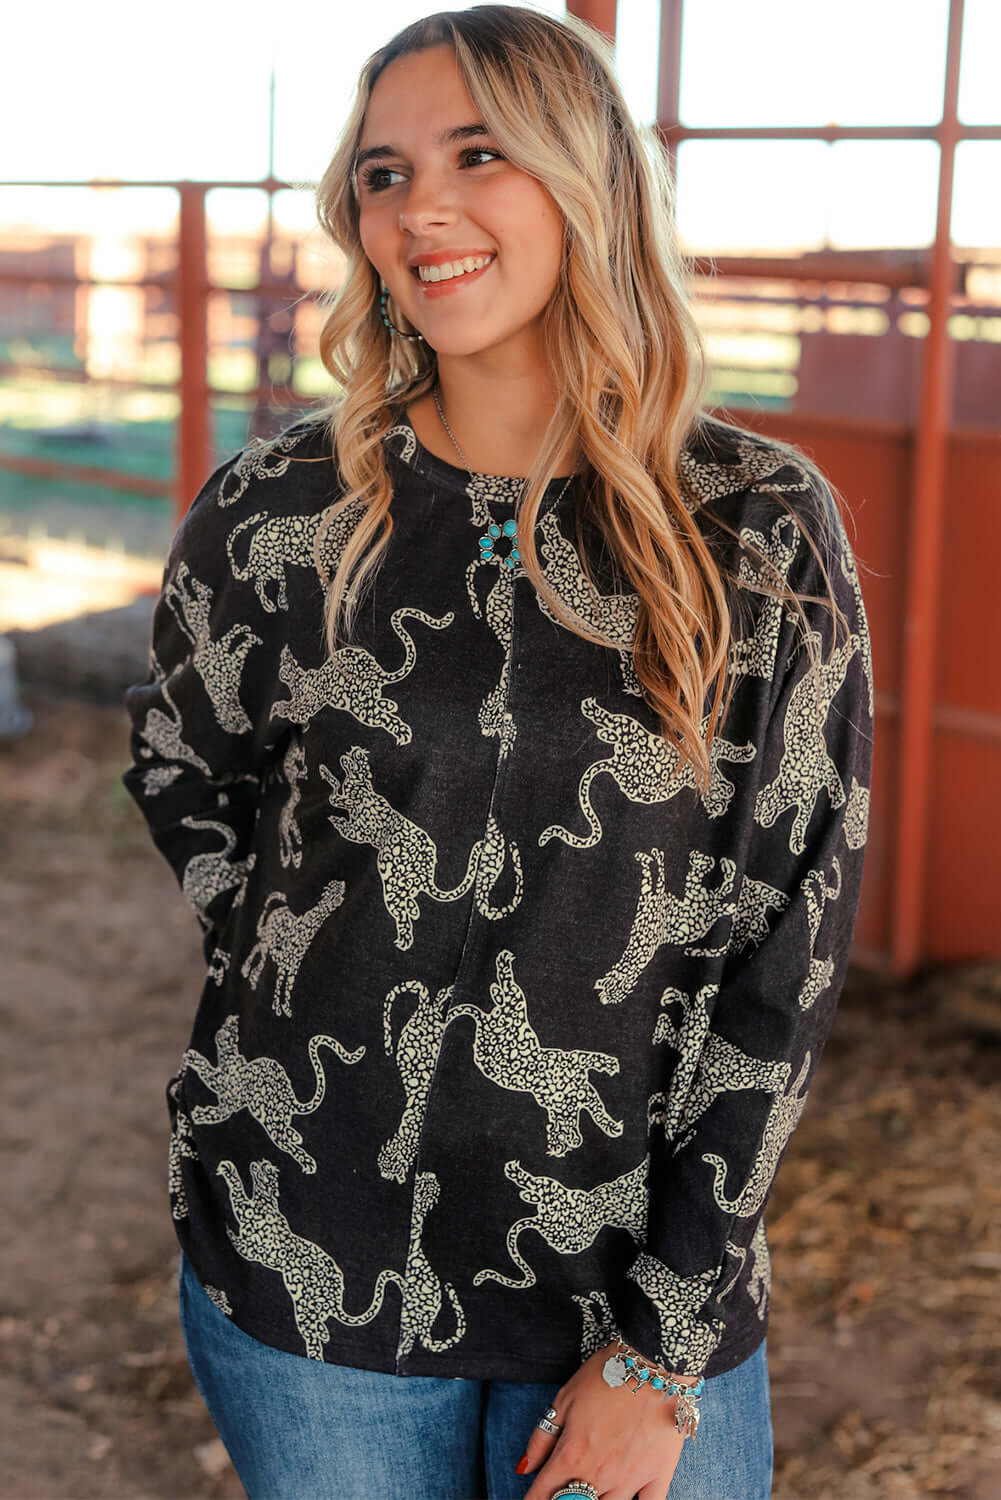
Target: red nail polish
[(521, 1467)]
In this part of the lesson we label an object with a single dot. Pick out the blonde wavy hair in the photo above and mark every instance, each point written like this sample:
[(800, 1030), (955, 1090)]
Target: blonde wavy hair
[(632, 367)]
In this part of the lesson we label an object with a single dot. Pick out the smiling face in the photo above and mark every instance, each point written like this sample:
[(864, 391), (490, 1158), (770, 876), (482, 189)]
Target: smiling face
[(427, 195)]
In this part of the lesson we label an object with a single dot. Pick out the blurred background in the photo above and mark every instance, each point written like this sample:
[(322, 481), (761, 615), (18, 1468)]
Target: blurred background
[(838, 172)]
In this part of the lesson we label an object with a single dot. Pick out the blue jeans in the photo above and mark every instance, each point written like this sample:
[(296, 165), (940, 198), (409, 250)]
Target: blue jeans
[(300, 1429)]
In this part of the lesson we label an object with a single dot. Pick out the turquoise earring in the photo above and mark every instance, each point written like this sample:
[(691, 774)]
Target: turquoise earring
[(385, 318)]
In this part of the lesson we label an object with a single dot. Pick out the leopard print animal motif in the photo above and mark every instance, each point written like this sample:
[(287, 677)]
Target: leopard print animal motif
[(279, 542), (263, 459), (220, 1299), (182, 1147), (158, 778), (850, 571), (755, 655), (163, 734), (817, 893), (662, 917), (688, 1040), (416, 1056), (207, 875), (705, 481), (261, 1086), (677, 1299), (312, 1277), (806, 768), (284, 936), (570, 1219), (599, 1325), (352, 679), (646, 770), (750, 921), (422, 1288), (289, 832), (857, 816), (710, 1065), (783, 1117), (218, 663), (494, 717), (407, 855), (759, 1282), (507, 1051), (613, 614)]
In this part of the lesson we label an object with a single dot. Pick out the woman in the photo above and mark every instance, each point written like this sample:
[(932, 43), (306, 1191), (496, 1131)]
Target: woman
[(509, 727)]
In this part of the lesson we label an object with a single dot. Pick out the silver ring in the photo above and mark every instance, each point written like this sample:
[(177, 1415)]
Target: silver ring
[(547, 1426), (576, 1489), (551, 1413)]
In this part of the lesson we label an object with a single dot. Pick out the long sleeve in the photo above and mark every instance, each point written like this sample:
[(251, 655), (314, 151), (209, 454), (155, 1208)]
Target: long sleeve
[(200, 720), (744, 1050)]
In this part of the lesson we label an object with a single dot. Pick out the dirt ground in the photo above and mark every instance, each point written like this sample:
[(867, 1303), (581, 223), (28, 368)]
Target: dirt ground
[(885, 1224)]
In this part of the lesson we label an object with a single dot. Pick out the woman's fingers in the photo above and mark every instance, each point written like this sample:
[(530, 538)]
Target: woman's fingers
[(540, 1446), (653, 1491)]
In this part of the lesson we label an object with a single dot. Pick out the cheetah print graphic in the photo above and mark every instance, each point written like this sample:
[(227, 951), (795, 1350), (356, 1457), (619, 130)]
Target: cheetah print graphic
[(750, 922), (507, 1050), (662, 917), (688, 1041), (678, 1299), (352, 680), (817, 893), (218, 966), (570, 1219), (312, 1278), (209, 874), (407, 855), (755, 656), (856, 823), (422, 1289), (261, 1086), (850, 571), (162, 733), (806, 768), (707, 481), (760, 1280), (158, 778), (284, 936), (494, 717), (645, 769), (220, 1299), (599, 1326), (279, 542), (783, 1117), (262, 460), (614, 615), (182, 1148), (218, 663), (416, 1055), (289, 832), (710, 1065)]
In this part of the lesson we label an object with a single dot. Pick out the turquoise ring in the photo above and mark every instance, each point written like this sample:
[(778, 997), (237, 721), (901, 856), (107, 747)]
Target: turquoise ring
[(576, 1489)]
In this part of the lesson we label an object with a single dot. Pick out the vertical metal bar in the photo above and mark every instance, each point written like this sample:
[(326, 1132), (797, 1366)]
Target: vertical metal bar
[(194, 443), (924, 532), (669, 78)]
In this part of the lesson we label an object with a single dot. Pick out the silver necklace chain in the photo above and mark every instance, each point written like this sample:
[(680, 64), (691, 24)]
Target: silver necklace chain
[(434, 393)]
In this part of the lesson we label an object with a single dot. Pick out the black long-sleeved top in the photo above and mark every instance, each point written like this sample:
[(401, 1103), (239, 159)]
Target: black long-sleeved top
[(505, 1026)]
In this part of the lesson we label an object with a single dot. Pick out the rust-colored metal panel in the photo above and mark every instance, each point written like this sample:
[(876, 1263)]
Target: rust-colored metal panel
[(961, 911), (969, 621)]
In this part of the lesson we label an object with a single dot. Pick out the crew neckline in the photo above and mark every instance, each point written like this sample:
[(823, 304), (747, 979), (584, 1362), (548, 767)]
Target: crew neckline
[(439, 469)]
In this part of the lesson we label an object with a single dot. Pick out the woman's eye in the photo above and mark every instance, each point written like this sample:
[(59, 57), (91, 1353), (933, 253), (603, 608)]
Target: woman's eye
[(372, 175)]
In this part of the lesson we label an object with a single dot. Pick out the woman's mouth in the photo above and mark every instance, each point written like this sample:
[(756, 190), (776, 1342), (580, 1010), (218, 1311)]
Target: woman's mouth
[(433, 289)]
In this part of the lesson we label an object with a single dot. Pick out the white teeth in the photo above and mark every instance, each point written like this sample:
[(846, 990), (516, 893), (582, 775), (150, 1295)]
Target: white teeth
[(453, 268)]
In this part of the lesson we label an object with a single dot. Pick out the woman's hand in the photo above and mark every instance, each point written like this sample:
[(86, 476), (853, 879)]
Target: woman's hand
[(626, 1445)]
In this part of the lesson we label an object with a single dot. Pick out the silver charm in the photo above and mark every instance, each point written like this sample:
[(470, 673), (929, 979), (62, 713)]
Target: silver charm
[(687, 1414), (614, 1370)]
